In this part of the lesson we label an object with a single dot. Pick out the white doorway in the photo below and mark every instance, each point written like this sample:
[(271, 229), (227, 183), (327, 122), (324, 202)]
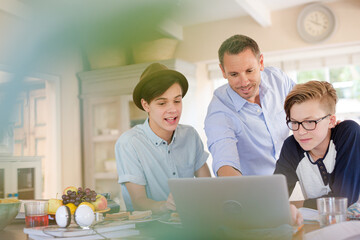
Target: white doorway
[(37, 128)]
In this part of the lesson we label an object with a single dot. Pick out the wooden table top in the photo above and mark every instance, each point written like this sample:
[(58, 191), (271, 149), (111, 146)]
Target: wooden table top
[(14, 231)]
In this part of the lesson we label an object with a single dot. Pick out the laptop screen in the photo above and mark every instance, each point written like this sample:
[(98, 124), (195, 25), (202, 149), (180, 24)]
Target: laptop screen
[(206, 205)]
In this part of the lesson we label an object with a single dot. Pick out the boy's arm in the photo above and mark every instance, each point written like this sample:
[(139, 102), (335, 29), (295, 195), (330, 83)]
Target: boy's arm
[(203, 171), (287, 164), (346, 181), (346, 175), (141, 202)]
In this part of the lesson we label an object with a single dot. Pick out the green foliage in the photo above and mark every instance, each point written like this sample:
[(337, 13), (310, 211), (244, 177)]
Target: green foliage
[(346, 80), (305, 76)]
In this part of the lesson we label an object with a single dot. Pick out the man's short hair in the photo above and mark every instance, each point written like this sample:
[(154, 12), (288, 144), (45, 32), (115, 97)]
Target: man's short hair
[(237, 44), (312, 90)]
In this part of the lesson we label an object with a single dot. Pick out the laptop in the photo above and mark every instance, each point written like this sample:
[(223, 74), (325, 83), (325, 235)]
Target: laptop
[(209, 205)]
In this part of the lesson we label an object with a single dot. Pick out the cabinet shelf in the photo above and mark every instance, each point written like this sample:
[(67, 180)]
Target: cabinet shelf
[(106, 175), (26, 190), (105, 138)]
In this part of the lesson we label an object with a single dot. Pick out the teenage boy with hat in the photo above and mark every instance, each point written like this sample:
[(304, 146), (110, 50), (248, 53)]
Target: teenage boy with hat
[(322, 156), (149, 154)]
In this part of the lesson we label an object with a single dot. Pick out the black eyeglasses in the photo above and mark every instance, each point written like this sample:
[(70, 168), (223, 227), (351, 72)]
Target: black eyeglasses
[(307, 124)]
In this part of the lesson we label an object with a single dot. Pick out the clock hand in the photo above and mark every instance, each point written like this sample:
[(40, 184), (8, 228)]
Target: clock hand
[(316, 23)]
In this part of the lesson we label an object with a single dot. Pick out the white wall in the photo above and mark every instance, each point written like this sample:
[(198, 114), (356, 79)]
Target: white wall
[(201, 42)]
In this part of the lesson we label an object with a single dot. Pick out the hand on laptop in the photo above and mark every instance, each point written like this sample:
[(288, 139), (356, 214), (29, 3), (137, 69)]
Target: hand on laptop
[(296, 217), (170, 204)]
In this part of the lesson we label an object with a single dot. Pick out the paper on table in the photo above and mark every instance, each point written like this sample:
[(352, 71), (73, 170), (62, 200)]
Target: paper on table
[(309, 214), (339, 231), (75, 231), (107, 235)]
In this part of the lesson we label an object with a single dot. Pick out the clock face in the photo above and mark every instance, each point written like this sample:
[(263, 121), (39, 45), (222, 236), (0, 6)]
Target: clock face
[(316, 23)]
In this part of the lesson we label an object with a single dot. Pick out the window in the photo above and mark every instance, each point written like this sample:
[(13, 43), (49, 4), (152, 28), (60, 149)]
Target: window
[(346, 81)]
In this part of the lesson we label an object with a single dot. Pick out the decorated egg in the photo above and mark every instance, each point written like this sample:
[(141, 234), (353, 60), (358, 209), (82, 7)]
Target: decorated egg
[(84, 216), (63, 216)]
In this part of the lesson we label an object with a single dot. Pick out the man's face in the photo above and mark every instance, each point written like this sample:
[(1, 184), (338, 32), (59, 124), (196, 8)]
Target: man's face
[(243, 73), (317, 139), (165, 111)]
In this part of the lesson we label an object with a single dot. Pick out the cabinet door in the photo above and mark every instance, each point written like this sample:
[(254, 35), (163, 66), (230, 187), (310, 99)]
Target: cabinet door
[(105, 119), (21, 178), (6, 186), (28, 180)]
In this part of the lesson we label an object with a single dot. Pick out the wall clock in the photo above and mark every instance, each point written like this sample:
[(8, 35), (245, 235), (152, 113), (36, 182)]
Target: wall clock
[(316, 23)]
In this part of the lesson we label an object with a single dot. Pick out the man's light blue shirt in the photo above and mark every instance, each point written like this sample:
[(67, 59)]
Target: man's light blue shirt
[(144, 158), (243, 134)]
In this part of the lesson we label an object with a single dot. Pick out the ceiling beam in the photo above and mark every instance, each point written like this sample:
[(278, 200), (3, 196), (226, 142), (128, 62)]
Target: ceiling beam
[(13, 7), (258, 11), (171, 29)]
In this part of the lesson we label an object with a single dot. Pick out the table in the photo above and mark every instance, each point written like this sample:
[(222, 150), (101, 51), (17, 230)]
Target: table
[(156, 230), (307, 228), (14, 231), (149, 230)]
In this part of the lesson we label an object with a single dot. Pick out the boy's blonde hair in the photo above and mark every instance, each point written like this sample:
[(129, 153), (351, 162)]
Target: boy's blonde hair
[(312, 90)]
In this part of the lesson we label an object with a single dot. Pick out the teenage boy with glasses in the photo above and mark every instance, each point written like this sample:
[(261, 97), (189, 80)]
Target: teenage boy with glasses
[(322, 156)]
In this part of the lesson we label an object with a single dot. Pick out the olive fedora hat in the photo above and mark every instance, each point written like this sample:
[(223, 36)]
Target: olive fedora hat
[(156, 71)]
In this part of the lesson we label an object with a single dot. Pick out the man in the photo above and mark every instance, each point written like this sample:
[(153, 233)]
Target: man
[(245, 123)]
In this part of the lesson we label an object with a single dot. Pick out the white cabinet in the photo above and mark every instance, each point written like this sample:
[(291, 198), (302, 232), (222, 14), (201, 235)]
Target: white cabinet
[(20, 176), (106, 119), (108, 111)]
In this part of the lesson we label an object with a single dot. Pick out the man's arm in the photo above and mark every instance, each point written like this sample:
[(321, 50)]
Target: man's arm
[(141, 202), (203, 171), (226, 171), (223, 131)]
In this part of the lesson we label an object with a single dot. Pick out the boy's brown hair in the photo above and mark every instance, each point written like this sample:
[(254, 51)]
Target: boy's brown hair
[(312, 90)]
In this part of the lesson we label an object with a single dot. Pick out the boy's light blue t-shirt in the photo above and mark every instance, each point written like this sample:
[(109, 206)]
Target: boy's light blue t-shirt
[(144, 158)]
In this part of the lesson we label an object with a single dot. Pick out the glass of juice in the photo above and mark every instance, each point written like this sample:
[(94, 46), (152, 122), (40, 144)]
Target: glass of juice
[(36, 214)]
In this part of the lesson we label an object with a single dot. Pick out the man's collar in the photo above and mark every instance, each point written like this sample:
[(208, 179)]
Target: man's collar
[(239, 101)]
